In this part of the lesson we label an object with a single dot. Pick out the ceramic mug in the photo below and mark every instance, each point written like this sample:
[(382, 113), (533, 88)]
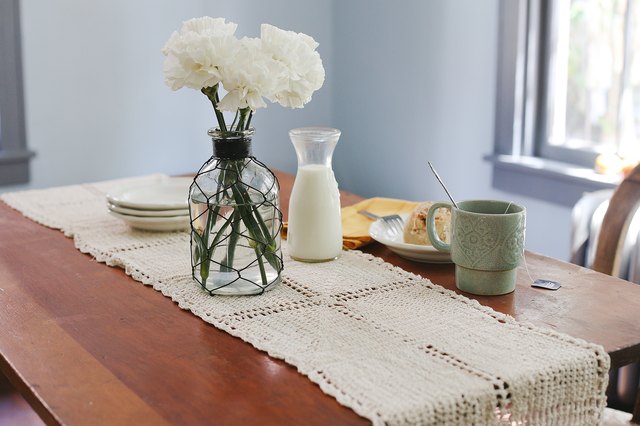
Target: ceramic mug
[(487, 244)]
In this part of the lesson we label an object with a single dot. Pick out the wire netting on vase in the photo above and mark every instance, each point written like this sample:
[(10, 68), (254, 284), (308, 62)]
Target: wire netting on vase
[(235, 227)]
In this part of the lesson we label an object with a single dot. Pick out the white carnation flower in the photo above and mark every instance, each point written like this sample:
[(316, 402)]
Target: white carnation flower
[(197, 54), (251, 75), (214, 27), (301, 64), (281, 66)]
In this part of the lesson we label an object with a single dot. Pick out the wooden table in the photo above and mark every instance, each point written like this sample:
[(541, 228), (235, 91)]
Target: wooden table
[(86, 344)]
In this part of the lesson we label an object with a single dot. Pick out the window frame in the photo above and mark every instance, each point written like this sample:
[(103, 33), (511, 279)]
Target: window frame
[(547, 56), (14, 155), (522, 162)]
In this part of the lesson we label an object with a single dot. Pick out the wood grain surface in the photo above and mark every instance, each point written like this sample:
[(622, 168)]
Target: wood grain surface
[(86, 344)]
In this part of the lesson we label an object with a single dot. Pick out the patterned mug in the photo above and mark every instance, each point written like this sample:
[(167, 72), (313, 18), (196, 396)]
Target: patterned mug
[(487, 244)]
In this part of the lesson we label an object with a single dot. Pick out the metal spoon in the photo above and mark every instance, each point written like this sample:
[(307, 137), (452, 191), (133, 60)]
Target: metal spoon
[(442, 183)]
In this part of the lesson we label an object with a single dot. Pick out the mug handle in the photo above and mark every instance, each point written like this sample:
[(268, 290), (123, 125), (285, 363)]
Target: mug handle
[(431, 227)]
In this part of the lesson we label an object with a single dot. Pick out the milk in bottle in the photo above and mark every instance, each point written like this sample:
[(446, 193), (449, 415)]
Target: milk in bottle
[(315, 228)]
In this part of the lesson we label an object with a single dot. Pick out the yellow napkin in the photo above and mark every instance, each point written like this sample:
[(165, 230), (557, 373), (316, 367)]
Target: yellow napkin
[(355, 227)]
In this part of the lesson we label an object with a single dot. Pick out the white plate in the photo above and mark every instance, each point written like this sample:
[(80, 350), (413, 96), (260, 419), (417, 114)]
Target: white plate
[(147, 213), (174, 223), (167, 193), (419, 253)]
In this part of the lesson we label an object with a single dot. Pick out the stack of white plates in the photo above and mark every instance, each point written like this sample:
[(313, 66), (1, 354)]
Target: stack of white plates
[(160, 205)]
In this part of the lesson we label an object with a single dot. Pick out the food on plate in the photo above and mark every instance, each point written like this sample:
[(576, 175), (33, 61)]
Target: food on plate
[(415, 230)]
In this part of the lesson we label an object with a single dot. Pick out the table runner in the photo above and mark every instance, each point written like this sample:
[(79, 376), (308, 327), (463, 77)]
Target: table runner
[(389, 344)]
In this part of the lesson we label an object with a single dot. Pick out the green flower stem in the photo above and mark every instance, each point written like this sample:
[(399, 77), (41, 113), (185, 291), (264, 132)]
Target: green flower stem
[(228, 178), (235, 119), (201, 253), (263, 274), (227, 262), (212, 94), (263, 241), (263, 226), (243, 117), (260, 229), (204, 250), (249, 120), (254, 231), (218, 236)]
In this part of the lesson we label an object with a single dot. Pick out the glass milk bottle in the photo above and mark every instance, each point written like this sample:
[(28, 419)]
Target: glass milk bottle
[(315, 228)]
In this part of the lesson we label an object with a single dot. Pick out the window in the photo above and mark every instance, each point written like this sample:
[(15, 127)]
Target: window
[(568, 93), (14, 156), (594, 80)]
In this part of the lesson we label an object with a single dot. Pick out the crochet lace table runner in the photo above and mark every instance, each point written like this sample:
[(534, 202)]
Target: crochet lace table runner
[(393, 346)]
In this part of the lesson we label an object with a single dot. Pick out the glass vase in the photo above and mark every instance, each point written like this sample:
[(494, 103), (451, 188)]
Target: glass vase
[(235, 219), (315, 228)]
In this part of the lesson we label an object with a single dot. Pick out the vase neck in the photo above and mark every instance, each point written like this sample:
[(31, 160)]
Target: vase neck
[(231, 145), (232, 150)]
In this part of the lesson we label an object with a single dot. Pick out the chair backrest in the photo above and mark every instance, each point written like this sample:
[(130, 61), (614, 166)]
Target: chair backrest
[(622, 207)]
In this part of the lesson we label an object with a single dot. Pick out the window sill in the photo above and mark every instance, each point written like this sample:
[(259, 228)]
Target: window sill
[(14, 167), (552, 181)]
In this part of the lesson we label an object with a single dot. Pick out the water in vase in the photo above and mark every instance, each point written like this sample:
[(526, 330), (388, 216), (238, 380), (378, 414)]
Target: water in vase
[(230, 258)]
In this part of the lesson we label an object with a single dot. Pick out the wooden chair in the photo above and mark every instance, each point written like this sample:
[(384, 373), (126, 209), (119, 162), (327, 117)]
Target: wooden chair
[(622, 207), (608, 258)]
